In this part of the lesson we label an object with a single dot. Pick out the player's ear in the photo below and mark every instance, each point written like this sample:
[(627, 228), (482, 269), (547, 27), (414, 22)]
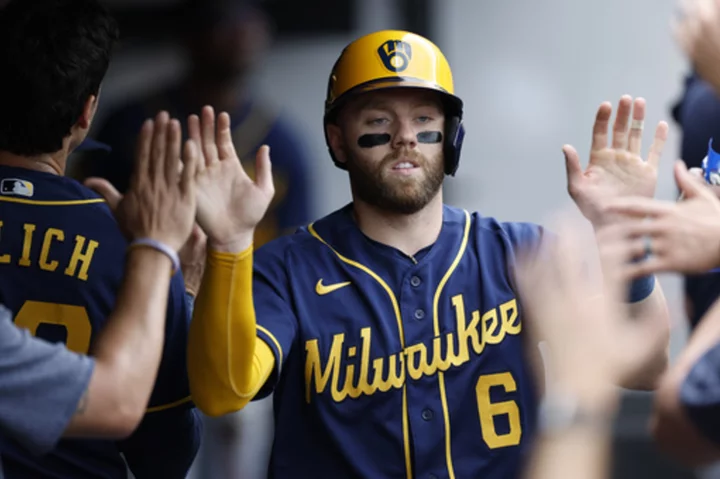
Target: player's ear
[(88, 112), (336, 141)]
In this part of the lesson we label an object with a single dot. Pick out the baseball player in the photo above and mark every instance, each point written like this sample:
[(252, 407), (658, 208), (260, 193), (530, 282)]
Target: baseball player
[(390, 330)]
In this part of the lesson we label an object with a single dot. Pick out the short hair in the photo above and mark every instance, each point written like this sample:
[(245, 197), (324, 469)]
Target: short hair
[(53, 56)]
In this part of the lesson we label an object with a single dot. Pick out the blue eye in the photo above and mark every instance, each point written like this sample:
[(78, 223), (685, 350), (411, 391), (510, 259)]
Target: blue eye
[(424, 119), (377, 121)]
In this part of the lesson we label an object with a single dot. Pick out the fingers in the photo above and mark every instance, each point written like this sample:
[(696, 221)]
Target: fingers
[(196, 137), (622, 118), (159, 145), (600, 128), (638, 207), (652, 265), (697, 173), (624, 245), (207, 133), (225, 146), (690, 185), (636, 127), (572, 166), (142, 152), (658, 144), (105, 189), (263, 167), (191, 164), (172, 152)]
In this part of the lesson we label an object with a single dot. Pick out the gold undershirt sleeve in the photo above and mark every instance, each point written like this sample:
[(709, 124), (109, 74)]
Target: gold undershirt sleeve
[(227, 362)]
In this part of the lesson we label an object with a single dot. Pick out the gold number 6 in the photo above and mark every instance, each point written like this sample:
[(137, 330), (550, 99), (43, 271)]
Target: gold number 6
[(489, 410)]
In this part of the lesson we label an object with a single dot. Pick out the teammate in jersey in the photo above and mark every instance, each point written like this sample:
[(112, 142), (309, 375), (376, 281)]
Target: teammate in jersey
[(62, 254), (390, 331)]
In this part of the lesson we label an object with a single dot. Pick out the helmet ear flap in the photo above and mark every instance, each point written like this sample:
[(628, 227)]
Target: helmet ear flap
[(454, 135)]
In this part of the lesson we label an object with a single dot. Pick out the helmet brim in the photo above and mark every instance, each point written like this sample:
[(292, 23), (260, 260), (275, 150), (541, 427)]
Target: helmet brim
[(452, 102)]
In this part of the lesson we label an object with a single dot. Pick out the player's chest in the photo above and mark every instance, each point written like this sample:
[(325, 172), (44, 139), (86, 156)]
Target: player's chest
[(362, 332)]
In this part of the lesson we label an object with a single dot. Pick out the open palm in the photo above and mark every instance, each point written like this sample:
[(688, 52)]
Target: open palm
[(615, 170), (230, 203)]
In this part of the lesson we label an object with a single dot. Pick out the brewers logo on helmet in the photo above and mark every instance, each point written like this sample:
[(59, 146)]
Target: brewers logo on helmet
[(396, 59)]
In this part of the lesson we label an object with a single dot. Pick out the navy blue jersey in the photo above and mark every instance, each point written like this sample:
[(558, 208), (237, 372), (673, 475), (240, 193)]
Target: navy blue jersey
[(396, 366), (62, 259)]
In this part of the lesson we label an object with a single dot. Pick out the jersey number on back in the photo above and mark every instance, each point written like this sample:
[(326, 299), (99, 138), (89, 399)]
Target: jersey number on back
[(74, 318), (489, 410)]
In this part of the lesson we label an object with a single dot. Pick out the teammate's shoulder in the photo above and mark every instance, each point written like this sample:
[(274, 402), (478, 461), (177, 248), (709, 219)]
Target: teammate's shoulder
[(33, 185), (38, 193)]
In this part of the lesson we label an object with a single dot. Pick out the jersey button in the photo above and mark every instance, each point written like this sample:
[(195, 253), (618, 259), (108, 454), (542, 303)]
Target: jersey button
[(427, 414), (419, 314), (415, 281)]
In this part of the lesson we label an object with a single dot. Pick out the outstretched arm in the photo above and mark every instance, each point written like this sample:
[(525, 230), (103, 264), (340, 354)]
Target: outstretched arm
[(227, 362), (617, 170), (686, 239)]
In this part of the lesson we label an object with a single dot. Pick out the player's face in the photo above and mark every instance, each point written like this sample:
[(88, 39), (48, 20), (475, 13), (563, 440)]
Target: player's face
[(392, 145)]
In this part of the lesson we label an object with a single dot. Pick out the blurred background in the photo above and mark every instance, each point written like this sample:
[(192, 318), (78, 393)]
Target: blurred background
[(532, 74)]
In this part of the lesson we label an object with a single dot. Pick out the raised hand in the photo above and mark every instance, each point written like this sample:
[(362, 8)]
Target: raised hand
[(615, 169), (680, 236), (230, 203), (160, 201), (578, 312)]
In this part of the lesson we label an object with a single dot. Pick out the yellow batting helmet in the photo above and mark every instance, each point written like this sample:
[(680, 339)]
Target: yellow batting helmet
[(397, 59)]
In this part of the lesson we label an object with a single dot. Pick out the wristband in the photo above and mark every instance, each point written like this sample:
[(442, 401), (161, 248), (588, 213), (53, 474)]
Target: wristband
[(558, 413), (641, 288), (162, 247)]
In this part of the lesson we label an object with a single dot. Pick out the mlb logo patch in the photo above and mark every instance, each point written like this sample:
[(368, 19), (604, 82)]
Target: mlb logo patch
[(14, 186)]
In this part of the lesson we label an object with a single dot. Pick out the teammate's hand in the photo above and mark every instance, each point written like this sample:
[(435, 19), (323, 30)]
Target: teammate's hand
[(697, 175), (682, 236), (697, 31), (230, 204), (617, 169), (578, 312), (160, 201)]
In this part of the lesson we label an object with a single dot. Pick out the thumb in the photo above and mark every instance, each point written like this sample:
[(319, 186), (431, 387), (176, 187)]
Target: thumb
[(686, 181), (263, 169), (572, 164), (105, 189)]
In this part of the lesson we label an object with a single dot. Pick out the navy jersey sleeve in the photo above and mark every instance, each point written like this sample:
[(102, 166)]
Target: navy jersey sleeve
[(523, 237), (700, 394), (168, 438), (276, 321)]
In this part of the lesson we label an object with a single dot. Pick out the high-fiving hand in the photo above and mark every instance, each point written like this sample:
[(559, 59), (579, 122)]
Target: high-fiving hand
[(160, 201), (615, 169), (230, 203)]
